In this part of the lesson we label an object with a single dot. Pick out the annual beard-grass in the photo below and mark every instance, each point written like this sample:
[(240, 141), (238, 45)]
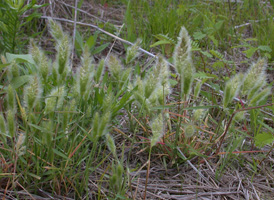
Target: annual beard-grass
[(59, 124)]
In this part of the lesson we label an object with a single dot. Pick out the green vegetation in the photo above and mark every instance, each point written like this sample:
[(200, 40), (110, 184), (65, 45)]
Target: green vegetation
[(63, 129)]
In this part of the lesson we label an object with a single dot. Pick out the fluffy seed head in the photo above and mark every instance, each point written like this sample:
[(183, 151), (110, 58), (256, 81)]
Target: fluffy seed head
[(257, 88), (260, 96), (162, 68), (56, 30), (187, 77), (198, 114), (182, 50), (2, 124), (111, 144), (190, 130), (99, 71), (35, 52), (11, 98), (63, 54), (32, 93), (13, 71), (240, 116), (232, 88), (44, 68), (197, 89), (132, 51), (55, 99), (104, 122), (19, 148), (115, 67), (157, 129), (254, 76), (11, 123)]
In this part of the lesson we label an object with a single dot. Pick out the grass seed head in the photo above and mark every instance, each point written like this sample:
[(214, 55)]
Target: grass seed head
[(13, 71), (44, 68), (120, 170), (187, 77), (56, 30), (115, 67), (11, 123), (32, 93), (257, 87), (2, 124), (35, 52), (157, 129), (232, 88), (182, 50), (254, 76), (87, 60), (162, 65), (150, 85), (103, 124), (99, 71), (132, 51), (63, 54), (239, 116), (55, 99), (19, 148), (260, 96), (197, 89), (190, 130), (111, 144), (11, 98), (198, 114)]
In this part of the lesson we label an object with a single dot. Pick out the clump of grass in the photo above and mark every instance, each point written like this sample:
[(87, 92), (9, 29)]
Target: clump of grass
[(65, 120)]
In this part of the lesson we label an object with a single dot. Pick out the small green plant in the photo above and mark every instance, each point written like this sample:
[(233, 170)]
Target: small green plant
[(13, 21), (90, 43)]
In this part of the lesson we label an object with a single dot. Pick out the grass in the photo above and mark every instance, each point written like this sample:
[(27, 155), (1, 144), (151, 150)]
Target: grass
[(109, 129)]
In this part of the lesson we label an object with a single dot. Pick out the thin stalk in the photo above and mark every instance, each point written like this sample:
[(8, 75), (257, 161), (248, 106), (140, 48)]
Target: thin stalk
[(230, 120), (147, 175)]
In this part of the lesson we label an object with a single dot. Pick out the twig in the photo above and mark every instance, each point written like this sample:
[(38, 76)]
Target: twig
[(193, 167), (78, 9), (230, 120), (74, 29)]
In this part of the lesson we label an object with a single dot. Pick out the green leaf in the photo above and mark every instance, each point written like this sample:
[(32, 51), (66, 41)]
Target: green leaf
[(60, 154), (100, 48), (79, 40), (34, 176), (20, 80), (206, 54), (20, 58), (160, 43), (219, 24), (218, 65), (215, 42), (249, 53), (4, 65), (265, 48), (203, 75), (173, 82), (91, 41), (162, 107), (217, 54), (263, 139), (199, 35), (200, 107)]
